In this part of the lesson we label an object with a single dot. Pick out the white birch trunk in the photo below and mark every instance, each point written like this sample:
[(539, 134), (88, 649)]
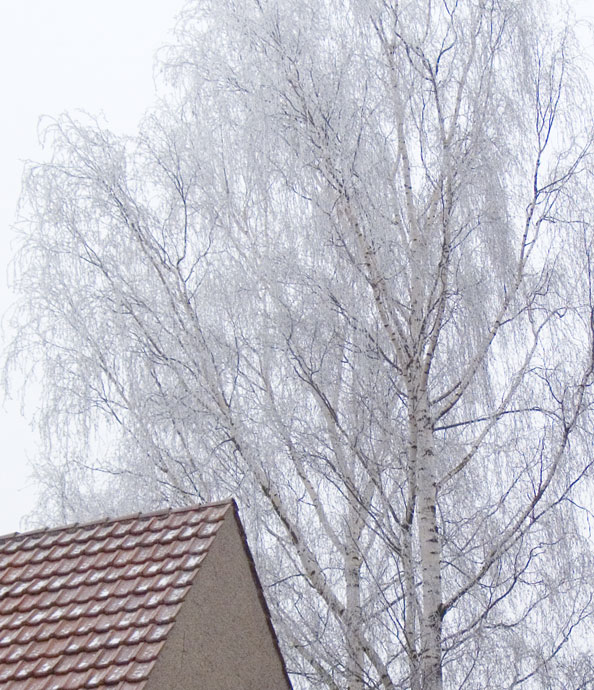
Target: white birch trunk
[(426, 674), (353, 561), (430, 555)]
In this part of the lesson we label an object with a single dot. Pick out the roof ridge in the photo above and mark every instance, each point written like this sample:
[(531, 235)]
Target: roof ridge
[(106, 520)]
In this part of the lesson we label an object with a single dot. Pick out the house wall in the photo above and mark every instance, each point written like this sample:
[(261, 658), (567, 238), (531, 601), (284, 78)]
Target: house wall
[(222, 638)]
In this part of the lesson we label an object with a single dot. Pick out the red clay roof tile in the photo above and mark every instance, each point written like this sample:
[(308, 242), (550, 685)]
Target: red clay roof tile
[(91, 606)]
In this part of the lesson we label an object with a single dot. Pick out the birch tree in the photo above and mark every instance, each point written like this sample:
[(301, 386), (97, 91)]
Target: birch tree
[(343, 273)]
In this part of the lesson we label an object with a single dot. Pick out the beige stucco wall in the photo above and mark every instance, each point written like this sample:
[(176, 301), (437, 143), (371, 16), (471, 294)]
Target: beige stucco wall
[(221, 639)]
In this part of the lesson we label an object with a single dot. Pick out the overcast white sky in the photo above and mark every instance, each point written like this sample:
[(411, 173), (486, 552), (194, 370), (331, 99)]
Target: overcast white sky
[(58, 55)]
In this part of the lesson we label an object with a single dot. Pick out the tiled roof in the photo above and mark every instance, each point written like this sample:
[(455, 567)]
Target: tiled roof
[(91, 606)]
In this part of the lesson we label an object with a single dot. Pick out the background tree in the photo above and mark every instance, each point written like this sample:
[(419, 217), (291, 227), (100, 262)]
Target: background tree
[(344, 274)]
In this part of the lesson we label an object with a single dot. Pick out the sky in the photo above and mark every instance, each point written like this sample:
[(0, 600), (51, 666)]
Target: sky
[(57, 56)]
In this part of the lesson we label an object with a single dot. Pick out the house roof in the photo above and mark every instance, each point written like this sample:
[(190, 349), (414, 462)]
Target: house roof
[(91, 605)]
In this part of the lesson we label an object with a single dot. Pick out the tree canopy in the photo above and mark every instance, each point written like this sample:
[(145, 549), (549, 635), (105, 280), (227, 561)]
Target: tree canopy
[(343, 273)]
